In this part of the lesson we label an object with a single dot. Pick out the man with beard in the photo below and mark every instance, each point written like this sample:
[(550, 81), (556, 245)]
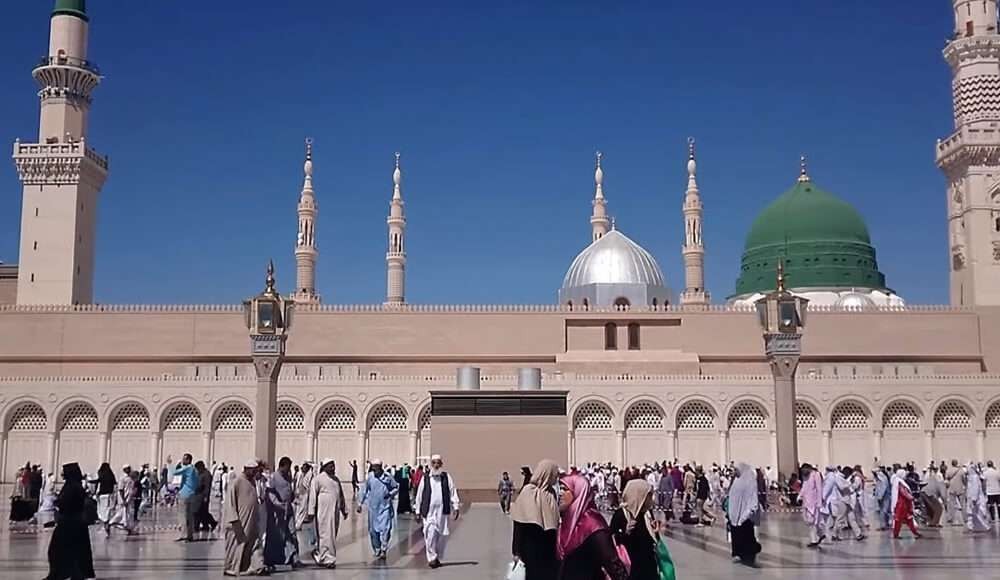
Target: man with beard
[(377, 494), (437, 498), (327, 507)]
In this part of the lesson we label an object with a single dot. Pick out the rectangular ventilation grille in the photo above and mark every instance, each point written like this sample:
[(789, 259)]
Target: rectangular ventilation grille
[(445, 406)]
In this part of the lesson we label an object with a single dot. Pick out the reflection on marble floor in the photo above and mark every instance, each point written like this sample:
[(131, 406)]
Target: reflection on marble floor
[(480, 548)]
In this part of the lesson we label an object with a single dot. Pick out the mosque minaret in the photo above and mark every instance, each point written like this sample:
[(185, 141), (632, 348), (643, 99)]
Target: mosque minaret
[(694, 248), (395, 257), (60, 174), (599, 221), (970, 156), (305, 242)]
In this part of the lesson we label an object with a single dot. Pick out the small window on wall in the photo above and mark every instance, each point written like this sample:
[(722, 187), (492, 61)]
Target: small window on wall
[(611, 336), (968, 28), (633, 336)]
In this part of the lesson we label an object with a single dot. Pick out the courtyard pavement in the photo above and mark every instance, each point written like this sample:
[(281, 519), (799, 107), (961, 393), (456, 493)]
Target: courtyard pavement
[(480, 548)]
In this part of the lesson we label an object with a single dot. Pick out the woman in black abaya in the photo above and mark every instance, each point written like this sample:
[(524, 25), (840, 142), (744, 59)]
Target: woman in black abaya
[(69, 550)]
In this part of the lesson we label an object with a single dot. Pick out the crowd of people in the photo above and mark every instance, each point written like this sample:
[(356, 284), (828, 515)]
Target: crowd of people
[(590, 522)]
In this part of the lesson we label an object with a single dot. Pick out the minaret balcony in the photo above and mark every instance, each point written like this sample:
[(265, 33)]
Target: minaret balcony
[(970, 143), (60, 76), (59, 163)]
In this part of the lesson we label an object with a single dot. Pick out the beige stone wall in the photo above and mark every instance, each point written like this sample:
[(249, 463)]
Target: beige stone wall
[(8, 284)]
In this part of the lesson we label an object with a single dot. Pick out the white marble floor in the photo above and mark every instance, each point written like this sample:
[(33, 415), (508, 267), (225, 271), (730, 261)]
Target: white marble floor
[(480, 548)]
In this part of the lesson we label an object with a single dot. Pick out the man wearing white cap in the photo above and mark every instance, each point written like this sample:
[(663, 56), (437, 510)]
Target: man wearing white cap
[(378, 492), (327, 507), (437, 498), (241, 521)]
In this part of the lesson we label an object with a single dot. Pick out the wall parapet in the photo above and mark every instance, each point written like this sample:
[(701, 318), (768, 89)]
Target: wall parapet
[(461, 308)]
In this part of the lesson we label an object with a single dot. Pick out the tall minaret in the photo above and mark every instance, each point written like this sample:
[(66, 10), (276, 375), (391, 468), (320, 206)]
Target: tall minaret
[(970, 157), (694, 248), (599, 222), (395, 257), (60, 174), (305, 242)]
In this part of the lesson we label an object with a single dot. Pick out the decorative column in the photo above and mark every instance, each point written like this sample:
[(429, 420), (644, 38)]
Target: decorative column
[(570, 448), (311, 450), (413, 447), (980, 445), (877, 443), (620, 447), (50, 458), (3, 456), (928, 446), (362, 451), (206, 447), (825, 449), (723, 447), (103, 438), (774, 447), (154, 450), (672, 445)]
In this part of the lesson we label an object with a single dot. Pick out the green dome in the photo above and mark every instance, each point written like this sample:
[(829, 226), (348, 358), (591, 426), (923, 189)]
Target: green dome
[(76, 8), (822, 240)]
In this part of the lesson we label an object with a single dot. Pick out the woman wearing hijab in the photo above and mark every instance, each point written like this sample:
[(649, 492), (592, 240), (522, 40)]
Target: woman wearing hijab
[(743, 508), (585, 545), (634, 527), (536, 524), (69, 550), (902, 505), (526, 475), (811, 495)]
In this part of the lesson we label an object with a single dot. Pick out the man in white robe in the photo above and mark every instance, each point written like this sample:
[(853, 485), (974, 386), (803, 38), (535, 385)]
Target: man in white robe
[(326, 507), (240, 510), (978, 518), (437, 498), (303, 483)]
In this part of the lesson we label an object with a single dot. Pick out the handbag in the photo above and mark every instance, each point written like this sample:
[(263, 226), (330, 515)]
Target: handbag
[(664, 563), (623, 557), (516, 571)]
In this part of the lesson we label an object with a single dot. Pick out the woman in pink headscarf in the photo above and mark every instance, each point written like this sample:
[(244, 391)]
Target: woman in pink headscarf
[(811, 495), (585, 545)]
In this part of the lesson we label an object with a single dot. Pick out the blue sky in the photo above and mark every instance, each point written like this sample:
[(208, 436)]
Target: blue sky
[(497, 109)]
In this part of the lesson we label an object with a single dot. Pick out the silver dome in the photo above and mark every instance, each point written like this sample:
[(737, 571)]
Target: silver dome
[(613, 259), (854, 301)]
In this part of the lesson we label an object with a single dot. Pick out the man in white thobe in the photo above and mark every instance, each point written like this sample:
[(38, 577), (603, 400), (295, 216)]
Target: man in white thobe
[(327, 507), (303, 483), (437, 498)]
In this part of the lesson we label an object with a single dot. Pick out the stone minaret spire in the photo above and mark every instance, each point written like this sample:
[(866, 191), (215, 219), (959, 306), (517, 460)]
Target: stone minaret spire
[(694, 248), (305, 241), (599, 222), (62, 176), (395, 257), (970, 156)]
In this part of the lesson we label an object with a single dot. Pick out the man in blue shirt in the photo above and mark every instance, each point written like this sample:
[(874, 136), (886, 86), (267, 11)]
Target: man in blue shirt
[(188, 500)]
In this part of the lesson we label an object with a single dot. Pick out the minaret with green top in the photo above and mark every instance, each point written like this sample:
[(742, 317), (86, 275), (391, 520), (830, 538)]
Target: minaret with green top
[(60, 173)]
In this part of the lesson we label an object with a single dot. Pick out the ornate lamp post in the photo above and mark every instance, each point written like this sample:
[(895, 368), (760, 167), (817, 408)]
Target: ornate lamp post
[(268, 317), (782, 316)]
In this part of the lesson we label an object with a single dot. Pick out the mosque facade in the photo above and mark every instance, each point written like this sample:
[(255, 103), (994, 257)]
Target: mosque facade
[(651, 373)]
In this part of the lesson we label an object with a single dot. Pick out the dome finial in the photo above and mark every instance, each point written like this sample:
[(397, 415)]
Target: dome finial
[(692, 164), (691, 148), (307, 168), (613, 224), (781, 275), (803, 170)]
